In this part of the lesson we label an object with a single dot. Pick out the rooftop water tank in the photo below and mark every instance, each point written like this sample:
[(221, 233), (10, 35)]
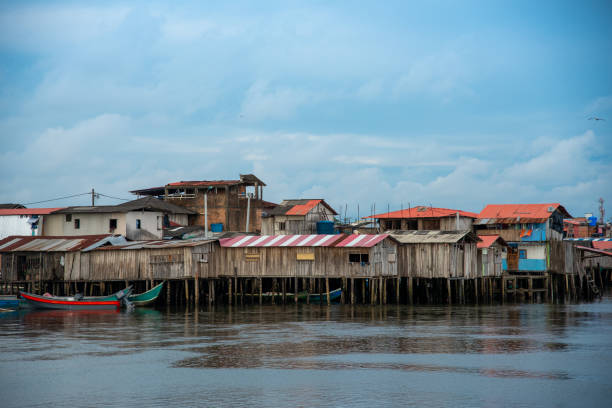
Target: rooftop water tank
[(325, 227), (216, 227)]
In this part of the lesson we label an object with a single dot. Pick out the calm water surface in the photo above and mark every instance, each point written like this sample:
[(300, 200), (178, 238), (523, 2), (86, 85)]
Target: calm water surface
[(513, 355)]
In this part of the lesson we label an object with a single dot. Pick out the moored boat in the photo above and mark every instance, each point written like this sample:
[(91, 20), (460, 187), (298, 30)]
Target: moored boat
[(146, 298), (70, 303)]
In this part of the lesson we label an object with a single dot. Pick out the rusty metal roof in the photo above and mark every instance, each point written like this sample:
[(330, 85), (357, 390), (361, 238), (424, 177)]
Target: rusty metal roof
[(433, 237), (56, 244), (299, 207), (423, 212), (519, 213), (159, 244), (488, 240)]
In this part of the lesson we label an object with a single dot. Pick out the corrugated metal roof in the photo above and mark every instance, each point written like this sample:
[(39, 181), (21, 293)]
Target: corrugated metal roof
[(56, 244), (204, 183), (159, 244), (432, 237), (146, 203), (488, 240), (603, 245), (362, 240), (299, 207), (424, 212), (280, 241), (28, 211), (519, 213), (594, 251)]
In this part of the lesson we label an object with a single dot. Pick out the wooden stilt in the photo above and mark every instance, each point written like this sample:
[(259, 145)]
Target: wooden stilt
[(260, 284), (449, 291), (295, 290), (196, 291), (241, 282), (327, 291), (398, 284), (363, 291), (411, 290), (186, 282), (284, 287), (352, 291), (309, 290), (342, 295), (384, 290), (230, 294)]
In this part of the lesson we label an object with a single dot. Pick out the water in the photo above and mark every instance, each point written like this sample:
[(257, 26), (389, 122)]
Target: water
[(513, 355)]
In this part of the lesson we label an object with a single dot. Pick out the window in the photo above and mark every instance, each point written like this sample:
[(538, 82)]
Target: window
[(112, 224), (281, 226), (77, 223), (388, 225), (522, 253), (359, 258), (137, 223), (68, 217)]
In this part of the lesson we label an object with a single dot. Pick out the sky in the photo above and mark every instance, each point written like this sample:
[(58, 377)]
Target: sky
[(365, 104)]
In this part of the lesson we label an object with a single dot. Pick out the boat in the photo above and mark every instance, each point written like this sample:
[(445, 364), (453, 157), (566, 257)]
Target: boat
[(317, 297), (146, 298), (76, 302), (334, 295), (9, 302)]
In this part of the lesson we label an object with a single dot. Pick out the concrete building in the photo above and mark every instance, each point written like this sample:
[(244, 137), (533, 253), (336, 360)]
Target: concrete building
[(140, 219), (23, 221)]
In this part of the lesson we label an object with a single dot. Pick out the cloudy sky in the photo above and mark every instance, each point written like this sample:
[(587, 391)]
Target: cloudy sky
[(453, 104)]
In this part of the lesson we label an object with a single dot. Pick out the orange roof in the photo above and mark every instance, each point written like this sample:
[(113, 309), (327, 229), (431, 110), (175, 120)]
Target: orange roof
[(302, 209), (603, 245), (28, 211), (521, 211), (424, 212), (488, 240)]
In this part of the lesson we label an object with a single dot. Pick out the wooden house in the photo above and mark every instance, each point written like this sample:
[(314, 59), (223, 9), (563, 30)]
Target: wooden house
[(37, 259), (534, 233), (220, 204), (492, 251), (297, 217), (436, 254), (425, 218), (307, 256)]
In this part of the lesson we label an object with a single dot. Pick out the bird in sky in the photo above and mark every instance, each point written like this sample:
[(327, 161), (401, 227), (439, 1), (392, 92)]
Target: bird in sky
[(596, 118)]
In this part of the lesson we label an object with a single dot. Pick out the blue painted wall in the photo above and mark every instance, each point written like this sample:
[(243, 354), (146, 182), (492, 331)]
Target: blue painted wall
[(528, 265), (538, 233)]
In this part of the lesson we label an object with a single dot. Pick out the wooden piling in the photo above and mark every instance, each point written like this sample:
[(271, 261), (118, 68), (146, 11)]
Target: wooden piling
[(295, 290), (352, 291), (230, 295), (327, 291), (449, 291), (196, 291)]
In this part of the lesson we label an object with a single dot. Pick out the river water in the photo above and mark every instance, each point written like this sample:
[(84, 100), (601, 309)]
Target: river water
[(527, 355)]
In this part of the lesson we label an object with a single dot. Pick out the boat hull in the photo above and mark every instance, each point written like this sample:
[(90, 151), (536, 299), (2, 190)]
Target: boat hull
[(55, 303), (148, 297)]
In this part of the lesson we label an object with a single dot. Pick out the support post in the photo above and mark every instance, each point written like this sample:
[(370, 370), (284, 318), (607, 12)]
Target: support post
[(352, 291), (327, 291), (449, 291)]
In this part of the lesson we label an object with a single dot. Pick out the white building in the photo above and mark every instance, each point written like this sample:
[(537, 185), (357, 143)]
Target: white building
[(140, 219), (23, 221)]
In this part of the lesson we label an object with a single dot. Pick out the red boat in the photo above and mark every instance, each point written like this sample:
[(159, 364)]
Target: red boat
[(69, 303)]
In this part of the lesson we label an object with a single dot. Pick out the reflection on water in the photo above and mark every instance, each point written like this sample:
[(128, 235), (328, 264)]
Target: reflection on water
[(311, 355)]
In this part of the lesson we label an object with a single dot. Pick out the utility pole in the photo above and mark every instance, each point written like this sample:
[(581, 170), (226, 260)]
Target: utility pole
[(93, 197)]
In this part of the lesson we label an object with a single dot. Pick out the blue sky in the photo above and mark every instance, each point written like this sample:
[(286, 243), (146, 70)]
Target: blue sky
[(454, 104)]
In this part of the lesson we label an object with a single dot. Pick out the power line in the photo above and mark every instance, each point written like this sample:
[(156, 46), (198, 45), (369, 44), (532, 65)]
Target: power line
[(59, 198), (116, 198)]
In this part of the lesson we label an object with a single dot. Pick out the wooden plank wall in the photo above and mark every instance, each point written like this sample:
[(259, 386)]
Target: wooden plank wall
[(283, 262), (438, 260)]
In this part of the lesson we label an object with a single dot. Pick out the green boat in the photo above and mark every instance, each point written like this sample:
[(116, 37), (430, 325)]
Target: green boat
[(148, 297)]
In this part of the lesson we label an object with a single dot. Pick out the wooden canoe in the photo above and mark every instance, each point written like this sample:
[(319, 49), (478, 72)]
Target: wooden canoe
[(66, 303), (146, 298)]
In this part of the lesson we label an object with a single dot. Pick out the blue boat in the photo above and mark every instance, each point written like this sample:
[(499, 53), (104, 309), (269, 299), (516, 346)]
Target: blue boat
[(12, 302)]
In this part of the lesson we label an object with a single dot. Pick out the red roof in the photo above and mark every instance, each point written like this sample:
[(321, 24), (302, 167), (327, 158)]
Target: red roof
[(302, 209), (521, 211), (205, 183), (424, 212), (45, 244), (28, 211), (339, 240), (488, 240), (603, 245)]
